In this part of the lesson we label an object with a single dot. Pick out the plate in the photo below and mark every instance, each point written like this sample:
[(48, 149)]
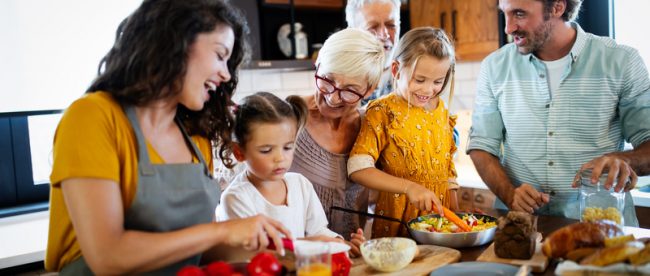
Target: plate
[(475, 268)]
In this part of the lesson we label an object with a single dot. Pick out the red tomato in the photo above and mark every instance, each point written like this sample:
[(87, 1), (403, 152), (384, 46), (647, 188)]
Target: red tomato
[(471, 221), (219, 269), (190, 270), (341, 264), (264, 264)]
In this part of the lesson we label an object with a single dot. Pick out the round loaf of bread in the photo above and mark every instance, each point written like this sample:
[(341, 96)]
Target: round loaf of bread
[(515, 236)]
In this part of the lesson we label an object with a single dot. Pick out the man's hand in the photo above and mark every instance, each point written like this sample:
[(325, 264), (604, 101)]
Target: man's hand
[(527, 199), (619, 172)]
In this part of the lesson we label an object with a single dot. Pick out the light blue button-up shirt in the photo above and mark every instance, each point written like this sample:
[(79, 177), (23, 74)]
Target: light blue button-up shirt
[(603, 100)]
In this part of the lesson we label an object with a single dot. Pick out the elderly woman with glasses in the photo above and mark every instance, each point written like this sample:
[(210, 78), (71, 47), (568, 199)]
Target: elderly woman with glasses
[(348, 69)]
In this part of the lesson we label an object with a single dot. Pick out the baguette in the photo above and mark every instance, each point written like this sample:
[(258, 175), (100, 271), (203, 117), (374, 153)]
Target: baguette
[(615, 254), (578, 235), (578, 254), (642, 257)]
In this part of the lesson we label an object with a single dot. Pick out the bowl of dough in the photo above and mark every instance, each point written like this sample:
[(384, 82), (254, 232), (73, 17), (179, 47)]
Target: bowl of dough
[(388, 254)]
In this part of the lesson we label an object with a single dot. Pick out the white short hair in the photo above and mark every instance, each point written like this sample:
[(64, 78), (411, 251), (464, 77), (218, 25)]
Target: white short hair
[(354, 53), (353, 7)]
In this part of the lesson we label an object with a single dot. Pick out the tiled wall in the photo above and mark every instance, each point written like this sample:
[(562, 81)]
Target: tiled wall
[(280, 82)]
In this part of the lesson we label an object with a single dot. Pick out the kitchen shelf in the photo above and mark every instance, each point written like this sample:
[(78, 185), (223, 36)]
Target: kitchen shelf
[(289, 64)]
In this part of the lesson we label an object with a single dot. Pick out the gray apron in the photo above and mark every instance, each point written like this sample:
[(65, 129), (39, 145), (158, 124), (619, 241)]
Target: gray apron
[(169, 197)]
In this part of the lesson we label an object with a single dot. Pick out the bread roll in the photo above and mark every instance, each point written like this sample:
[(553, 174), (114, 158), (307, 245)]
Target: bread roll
[(580, 253), (615, 254), (578, 235), (515, 236), (642, 257)]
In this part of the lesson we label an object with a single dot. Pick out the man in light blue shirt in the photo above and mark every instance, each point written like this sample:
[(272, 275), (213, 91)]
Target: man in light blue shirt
[(556, 101)]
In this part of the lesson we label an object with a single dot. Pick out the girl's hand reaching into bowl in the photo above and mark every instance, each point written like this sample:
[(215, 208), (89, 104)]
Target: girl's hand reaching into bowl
[(421, 197), (355, 243)]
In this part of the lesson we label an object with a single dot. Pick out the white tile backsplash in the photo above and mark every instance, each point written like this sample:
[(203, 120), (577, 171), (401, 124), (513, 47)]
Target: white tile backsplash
[(476, 68), (462, 102), (464, 71), (297, 80), (465, 87), (280, 82), (245, 81), (266, 80)]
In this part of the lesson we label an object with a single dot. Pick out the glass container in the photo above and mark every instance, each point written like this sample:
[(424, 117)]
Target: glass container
[(596, 202)]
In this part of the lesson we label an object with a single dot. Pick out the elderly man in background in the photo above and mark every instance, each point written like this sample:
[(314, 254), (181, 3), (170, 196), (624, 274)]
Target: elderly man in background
[(381, 18), (555, 101)]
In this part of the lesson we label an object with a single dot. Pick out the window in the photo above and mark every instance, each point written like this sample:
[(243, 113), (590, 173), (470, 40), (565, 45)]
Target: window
[(630, 23), (50, 57), (51, 49), (26, 146)]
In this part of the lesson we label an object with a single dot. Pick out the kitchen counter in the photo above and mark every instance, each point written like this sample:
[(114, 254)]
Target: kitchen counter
[(545, 225), (23, 239)]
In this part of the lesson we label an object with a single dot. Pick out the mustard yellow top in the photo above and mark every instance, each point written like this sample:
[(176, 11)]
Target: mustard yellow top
[(411, 143), (94, 139)]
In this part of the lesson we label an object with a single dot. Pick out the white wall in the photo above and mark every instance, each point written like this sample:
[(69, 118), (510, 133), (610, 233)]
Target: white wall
[(630, 23), (50, 49)]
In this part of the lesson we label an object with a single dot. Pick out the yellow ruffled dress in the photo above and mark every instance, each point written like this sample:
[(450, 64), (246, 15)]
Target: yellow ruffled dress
[(408, 142)]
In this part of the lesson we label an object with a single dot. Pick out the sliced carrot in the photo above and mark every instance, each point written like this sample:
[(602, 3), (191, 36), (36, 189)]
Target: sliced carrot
[(451, 216)]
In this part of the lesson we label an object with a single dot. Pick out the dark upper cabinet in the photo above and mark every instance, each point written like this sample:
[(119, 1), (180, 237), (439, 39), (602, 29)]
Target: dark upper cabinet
[(319, 18), (334, 4)]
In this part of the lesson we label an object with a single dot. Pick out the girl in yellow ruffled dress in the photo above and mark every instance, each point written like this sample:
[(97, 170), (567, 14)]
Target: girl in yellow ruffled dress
[(405, 146)]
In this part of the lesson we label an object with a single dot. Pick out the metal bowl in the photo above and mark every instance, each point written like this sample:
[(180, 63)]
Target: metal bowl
[(453, 240)]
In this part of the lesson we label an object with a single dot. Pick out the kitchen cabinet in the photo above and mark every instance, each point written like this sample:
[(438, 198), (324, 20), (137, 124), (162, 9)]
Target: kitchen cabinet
[(336, 4), (472, 198), (319, 19), (472, 24), (643, 215)]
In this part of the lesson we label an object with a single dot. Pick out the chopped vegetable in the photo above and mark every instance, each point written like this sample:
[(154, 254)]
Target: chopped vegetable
[(444, 225), (454, 218)]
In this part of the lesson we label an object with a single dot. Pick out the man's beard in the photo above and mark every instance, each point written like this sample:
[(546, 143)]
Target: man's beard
[(535, 42)]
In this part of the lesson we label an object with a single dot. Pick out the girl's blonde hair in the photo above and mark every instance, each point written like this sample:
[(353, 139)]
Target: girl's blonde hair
[(425, 41), (354, 53)]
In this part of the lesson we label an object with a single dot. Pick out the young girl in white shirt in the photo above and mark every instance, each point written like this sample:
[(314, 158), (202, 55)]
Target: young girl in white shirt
[(265, 130)]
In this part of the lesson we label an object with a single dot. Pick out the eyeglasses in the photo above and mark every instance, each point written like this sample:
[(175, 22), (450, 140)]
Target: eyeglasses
[(326, 86)]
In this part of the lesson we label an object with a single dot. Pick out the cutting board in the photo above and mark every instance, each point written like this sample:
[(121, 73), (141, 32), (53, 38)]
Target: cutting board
[(429, 258), (537, 263)]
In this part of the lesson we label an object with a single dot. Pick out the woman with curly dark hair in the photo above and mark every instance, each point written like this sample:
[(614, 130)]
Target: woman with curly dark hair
[(131, 186)]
